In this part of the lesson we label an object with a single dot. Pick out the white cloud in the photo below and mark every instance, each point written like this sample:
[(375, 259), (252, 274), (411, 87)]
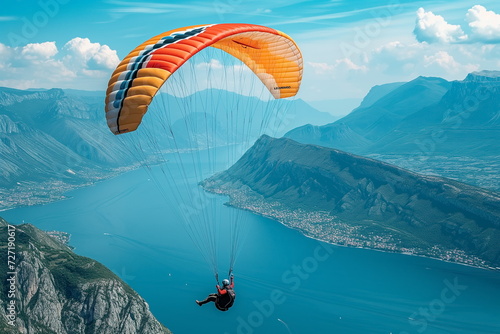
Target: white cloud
[(409, 60), (55, 71), (321, 68), (484, 24), (397, 58), (442, 59), (32, 61), (107, 57), (43, 65), (212, 64), (433, 28), (348, 64), (344, 64), (5, 55), (399, 51), (90, 55), (339, 78), (39, 51)]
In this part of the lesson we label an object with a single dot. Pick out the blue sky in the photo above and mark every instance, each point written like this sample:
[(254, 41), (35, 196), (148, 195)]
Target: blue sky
[(348, 46)]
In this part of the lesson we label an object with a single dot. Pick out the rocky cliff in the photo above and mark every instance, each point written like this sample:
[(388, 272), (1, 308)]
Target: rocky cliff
[(352, 200), (57, 291)]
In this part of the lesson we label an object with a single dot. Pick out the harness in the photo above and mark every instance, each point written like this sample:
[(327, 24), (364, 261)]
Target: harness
[(225, 301)]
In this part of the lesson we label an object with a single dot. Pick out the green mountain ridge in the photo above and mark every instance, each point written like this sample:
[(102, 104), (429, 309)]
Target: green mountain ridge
[(362, 202)]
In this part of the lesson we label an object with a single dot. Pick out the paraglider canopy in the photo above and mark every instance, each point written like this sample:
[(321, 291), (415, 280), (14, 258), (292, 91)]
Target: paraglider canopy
[(199, 118), (272, 55)]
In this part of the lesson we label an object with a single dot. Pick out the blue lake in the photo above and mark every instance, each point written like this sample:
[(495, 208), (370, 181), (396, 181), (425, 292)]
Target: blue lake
[(285, 282)]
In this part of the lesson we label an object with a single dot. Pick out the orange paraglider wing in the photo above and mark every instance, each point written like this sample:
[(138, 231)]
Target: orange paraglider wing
[(272, 55)]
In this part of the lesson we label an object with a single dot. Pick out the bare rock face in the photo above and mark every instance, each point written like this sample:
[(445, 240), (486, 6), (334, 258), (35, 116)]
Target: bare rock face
[(60, 292)]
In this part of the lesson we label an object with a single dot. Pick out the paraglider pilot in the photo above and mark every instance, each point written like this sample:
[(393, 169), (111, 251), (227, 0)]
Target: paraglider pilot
[(224, 298)]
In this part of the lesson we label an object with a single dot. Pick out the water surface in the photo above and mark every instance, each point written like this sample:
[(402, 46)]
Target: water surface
[(285, 282)]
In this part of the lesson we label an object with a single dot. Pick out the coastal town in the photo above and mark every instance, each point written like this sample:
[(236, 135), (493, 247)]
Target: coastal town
[(326, 227), (27, 193), (63, 237)]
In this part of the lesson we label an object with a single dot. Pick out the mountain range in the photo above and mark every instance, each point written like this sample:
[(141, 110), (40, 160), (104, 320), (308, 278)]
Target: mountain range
[(426, 116), (214, 117), (48, 133), (428, 125), (337, 107), (356, 201), (52, 140)]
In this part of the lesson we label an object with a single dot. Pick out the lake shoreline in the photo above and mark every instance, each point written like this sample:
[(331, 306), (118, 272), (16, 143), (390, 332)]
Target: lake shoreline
[(62, 195), (487, 268), (243, 200), (56, 190), (358, 281)]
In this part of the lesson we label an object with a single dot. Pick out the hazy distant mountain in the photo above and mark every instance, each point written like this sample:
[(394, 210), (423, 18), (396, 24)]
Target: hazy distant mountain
[(217, 117), (380, 117), (338, 107), (235, 114), (377, 92), (423, 116), (47, 134), (59, 138), (427, 125), (339, 133), (57, 291), (379, 113), (351, 200), (465, 121), (300, 112)]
